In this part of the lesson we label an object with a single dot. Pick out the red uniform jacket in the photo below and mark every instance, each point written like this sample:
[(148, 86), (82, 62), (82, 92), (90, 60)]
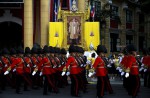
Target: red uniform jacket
[(99, 65), (132, 65), (40, 62), (18, 63), (72, 65), (47, 67), (6, 63), (28, 65), (53, 63), (148, 63), (124, 61), (145, 60)]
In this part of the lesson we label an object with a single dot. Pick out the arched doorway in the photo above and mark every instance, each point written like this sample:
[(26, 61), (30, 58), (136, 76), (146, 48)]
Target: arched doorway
[(10, 34)]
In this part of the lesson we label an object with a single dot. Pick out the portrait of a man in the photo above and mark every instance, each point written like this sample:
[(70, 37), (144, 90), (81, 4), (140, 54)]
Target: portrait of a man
[(74, 31)]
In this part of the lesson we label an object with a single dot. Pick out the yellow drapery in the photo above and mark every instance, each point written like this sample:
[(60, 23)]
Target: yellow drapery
[(55, 34), (92, 34)]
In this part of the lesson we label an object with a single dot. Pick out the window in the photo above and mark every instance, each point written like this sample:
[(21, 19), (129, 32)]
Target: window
[(128, 16), (141, 22), (65, 4), (114, 42), (115, 11), (97, 10)]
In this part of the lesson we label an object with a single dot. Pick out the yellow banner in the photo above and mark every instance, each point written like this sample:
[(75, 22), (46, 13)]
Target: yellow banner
[(92, 34), (55, 34)]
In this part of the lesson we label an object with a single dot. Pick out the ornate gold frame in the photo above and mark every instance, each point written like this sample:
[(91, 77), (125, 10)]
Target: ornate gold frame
[(65, 14)]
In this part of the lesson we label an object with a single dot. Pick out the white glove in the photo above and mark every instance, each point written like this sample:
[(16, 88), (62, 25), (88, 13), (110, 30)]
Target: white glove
[(6, 72), (14, 70), (111, 62), (41, 73), (142, 65), (68, 73), (34, 66), (90, 74), (28, 65), (33, 73), (59, 66), (62, 63), (122, 73), (109, 66), (145, 70), (127, 75), (81, 65), (54, 66), (141, 69), (120, 70), (63, 73), (6, 65), (117, 68)]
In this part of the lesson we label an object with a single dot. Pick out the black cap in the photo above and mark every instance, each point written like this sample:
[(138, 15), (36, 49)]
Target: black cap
[(63, 51), (27, 50), (100, 48), (51, 49), (40, 50), (71, 48), (13, 51), (46, 49), (57, 50), (34, 50), (81, 50), (20, 50), (5, 51)]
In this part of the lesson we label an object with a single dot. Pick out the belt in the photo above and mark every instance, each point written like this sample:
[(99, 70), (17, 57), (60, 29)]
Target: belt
[(47, 66), (19, 67), (134, 66), (101, 67), (74, 66)]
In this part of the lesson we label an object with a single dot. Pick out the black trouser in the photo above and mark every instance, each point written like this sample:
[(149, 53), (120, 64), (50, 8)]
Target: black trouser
[(1, 79), (48, 83), (27, 81), (100, 86), (135, 84), (19, 81), (81, 82), (145, 79), (108, 85), (74, 84), (6, 79), (148, 80)]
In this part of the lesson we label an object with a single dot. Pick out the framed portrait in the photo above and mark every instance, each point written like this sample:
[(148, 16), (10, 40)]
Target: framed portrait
[(73, 28)]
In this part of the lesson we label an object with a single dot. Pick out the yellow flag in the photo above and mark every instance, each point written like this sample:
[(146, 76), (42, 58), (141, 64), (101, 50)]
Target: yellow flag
[(59, 12)]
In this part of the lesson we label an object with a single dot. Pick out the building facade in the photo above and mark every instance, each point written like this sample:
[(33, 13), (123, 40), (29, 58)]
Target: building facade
[(28, 21)]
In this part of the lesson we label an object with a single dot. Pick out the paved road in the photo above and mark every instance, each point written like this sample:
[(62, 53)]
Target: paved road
[(65, 92)]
